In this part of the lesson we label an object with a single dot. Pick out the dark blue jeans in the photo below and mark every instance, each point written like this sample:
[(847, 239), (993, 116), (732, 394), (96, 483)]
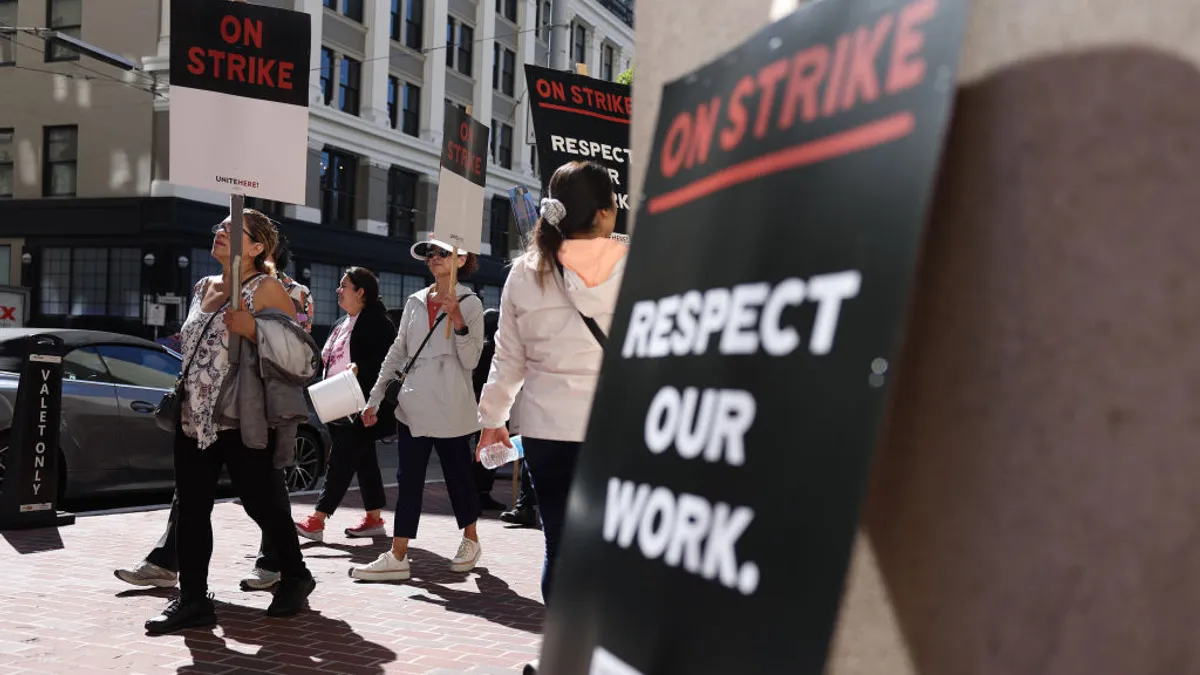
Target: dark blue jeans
[(551, 468), (456, 456)]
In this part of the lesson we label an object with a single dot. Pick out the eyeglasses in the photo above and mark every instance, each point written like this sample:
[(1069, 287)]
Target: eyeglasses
[(220, 227), (430, 251)]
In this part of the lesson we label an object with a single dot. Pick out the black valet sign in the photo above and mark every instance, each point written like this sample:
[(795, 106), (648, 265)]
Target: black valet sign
[(715, 503), (29, 492)]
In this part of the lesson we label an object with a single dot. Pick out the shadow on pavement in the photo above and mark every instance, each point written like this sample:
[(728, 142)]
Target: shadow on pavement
[(40, 540), (308, 640), (353, 554), (495, 601)]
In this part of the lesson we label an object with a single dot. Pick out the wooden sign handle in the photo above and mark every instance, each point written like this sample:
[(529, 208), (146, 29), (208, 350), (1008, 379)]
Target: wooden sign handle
[(453, 286)]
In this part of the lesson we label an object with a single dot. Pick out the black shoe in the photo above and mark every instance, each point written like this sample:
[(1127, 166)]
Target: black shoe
[(290, 597), (488, 503), (522, 515), (181, 614)]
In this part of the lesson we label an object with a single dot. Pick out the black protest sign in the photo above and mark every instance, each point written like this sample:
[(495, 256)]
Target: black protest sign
[(718, 493), (241, 49), (29, 493), (465, 146), (581, 118)]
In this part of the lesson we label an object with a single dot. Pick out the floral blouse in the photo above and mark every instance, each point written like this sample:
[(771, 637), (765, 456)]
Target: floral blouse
[(207, 350)]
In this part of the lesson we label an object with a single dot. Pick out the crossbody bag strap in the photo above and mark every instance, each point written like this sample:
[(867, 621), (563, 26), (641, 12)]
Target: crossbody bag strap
[(592, 326), (188, 366), (436, 322)]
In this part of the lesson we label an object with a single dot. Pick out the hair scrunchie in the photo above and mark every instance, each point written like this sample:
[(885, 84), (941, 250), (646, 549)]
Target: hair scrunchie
[(553, 211)]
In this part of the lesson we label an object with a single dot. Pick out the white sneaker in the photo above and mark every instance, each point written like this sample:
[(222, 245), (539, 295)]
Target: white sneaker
[(147, 574), (260, 580), (385, 568), (467, 557)]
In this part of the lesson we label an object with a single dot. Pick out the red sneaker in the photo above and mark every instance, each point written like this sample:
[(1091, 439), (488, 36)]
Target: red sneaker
[(312, 528), (368, 527)]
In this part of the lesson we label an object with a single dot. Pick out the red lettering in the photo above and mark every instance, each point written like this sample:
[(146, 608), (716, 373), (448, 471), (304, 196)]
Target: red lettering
[(237, 67), (732, 135), (196, 58), (807, 70), (560, 92), (602, 101), (217, 57), (478, 165), (678, 138), (903, 72), (576, 95), (833, 84), (253, 32), (706, 124), (285, 75), (464, 131), (231, 29), (264, 72), (8, 313), (862, 77), (768, 79)]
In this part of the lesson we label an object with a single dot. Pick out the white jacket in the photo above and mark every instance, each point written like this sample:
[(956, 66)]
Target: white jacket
[(438, 397), (545, 351)]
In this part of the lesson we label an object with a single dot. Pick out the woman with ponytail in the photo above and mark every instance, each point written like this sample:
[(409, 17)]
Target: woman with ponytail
[(358, 342), (555, 311)]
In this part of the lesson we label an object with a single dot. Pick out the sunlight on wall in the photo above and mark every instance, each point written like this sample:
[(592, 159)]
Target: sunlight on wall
[(61, 84), (144, 168), (27, 162), (119, 171), (83, 93)]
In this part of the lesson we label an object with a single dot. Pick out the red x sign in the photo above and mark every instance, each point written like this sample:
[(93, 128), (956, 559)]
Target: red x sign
[(8, 313)]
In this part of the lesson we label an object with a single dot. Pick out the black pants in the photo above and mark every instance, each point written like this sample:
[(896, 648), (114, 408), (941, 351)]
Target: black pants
[(263, 496), (165, 556), (526, 499), (353, 453), (551, 469), (456, 456)]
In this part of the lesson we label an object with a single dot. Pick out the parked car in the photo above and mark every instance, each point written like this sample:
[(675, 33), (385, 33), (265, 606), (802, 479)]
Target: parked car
[(109, 441)]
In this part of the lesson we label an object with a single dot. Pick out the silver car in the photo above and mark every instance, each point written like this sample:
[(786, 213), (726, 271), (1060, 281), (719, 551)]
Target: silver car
[(110, 442)]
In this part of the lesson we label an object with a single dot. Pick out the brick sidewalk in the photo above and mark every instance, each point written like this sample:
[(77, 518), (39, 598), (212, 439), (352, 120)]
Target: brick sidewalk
[(63, 611)]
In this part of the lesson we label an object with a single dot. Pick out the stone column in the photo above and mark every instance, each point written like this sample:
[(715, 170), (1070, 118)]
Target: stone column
[(375, 68), (526, 46), (371, 200), (483, 53), (314, 8), (433, 94)]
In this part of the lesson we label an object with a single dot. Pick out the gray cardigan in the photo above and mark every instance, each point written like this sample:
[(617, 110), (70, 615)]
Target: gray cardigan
[(264, 389)]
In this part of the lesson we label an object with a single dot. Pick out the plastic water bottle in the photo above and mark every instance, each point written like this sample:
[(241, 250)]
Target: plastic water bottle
[(499, 454)]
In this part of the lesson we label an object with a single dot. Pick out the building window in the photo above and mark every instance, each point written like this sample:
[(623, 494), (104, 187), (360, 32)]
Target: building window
[(203, 265), (413, 36), (490, 296), (353, 9), (8, 44), (579, 43), (500, 221), (397, 21), (504, 143), (60, 149), (412, 284), (454, 104), (331, 4), (451, 29), (466, 48), (327, 74), (64, 16), (391, 290), (544, 22), (91, 282), (5, 263), (267, 207), (508, 70), (323, 284), (402, 203), (351, 76), (507, 9), (606, 62), (338, 171), (6, 163), (411, 123), (392, 109)]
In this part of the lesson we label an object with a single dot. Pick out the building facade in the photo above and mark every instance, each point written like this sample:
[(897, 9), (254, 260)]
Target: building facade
[(90, 221)]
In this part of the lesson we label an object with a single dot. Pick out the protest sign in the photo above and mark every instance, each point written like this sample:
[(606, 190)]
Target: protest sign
[(458, 219), (717, 495)]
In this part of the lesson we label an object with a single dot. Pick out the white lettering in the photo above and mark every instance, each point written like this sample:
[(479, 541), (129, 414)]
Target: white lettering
[(41, 430), (735, 416), (719, 555), (662, 419), (622, 508), (780, 340), (712, 317), (587, 148), (660, 345), (829, 290), (39, 448), (42, 417), (39, 461), (45, 390), (657, 522), (692, 517), (36, 488), (712, 421), (638, 333), (557, 144), (45, 375), (739, 336)]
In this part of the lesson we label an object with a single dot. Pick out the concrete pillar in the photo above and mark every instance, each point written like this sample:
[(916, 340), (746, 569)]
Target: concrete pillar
[(594, 41), (560, 34), (375, 67), (526, 45), (426, 205), (1031, 506), (314, 8), (482, 55), (433, 94)]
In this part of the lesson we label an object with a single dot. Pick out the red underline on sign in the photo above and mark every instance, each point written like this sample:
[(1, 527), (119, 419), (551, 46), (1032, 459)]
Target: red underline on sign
[(589, 113), (864, 137)]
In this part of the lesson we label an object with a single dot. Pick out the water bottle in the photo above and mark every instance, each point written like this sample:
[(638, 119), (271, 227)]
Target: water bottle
[(499, 454)]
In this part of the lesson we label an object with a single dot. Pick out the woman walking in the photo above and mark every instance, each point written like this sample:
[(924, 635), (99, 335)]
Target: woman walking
[(226, 412), (360, 341), (436, 408), (563, 290)]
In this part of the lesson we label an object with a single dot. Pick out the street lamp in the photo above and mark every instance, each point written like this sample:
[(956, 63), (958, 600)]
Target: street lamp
[(58, 38)]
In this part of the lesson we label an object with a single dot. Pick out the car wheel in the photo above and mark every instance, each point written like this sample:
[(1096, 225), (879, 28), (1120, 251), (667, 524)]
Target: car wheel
[(305, 471)]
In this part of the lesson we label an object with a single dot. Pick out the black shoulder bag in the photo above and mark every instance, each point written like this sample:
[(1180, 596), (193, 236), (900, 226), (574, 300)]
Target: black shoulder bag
[(166, 414), (601, 338), (392, 393)]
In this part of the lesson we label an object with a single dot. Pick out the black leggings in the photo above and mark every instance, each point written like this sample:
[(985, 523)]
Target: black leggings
[(353, 453), (263, 496)]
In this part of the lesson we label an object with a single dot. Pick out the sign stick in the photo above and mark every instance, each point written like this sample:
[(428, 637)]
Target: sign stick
[(234, 282), (453, 283)]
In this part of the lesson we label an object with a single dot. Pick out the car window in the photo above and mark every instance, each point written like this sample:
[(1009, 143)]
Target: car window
[(84, 365), (139, 366)]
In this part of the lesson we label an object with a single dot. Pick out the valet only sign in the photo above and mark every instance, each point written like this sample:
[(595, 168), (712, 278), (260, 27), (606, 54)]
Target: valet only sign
[(716, 499), (239, 98)]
